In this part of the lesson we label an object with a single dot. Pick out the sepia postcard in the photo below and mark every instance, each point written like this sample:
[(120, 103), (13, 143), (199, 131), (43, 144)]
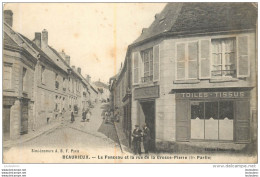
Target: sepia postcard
[(130, 83)]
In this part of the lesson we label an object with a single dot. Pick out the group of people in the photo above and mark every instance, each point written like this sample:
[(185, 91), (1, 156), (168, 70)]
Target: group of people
[(86, 114), (138, 134)]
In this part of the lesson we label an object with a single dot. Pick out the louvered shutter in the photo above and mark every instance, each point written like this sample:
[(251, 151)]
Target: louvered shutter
[(182, 120), (193, 60), (242, 124), (135, 67), (204, 59), (156, 63), (243, 59), (180, 61)]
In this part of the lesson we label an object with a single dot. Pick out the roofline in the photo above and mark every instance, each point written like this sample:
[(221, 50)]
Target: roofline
[(36, 53), (186, 33)]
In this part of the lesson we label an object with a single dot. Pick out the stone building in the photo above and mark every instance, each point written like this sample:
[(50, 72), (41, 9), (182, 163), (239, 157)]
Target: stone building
[(19, 64), (120, 90), (194, 74), (39, 85), (103, 90)]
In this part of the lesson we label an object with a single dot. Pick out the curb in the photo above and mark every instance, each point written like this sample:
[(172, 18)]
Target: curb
[(37, 134), (122, 146)]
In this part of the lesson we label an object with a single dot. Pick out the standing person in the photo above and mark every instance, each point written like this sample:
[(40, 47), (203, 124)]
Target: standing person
[(88, 115), (137, 134), (83, 115), (72, 117), (62, 115), (146, 138)]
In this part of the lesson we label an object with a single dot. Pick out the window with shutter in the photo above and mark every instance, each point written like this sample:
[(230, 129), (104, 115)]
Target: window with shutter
[(156, 63), (181, 61), (135, 68), (187, 61), (147, 59), (192, 60), (243, 61), (223, 58), (204, 59)]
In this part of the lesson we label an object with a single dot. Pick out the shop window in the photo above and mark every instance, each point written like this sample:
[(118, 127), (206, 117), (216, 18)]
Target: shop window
[(212, 120), (223, 58)]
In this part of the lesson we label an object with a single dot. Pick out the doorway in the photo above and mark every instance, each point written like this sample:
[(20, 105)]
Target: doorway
[(148, 117), (6, 122)]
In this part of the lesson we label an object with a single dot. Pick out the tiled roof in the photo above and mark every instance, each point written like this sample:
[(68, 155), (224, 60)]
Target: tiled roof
[(196, 17), (9, 41)]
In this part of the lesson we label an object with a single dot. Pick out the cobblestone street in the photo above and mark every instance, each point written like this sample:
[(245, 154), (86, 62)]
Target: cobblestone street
[(93, 137)]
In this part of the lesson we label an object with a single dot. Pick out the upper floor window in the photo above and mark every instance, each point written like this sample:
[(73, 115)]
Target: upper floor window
[(146, 65), (147, 60), (187, 58), (214, 59), (56, 81), (7, 76), (43, 74), (24, 79), (64, 84), (223, 58)]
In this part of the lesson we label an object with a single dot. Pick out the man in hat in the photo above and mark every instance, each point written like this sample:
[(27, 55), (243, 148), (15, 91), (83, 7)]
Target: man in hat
[(146, 138), (137, 134)]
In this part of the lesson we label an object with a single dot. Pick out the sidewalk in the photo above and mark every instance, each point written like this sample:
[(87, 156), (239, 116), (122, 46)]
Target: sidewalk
[(122, 138), (31, 135)]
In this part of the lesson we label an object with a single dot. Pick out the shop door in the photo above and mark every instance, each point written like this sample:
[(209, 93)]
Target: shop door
[(6, 122), (149, 113)]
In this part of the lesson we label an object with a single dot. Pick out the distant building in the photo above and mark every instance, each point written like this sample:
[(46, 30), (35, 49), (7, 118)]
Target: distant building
[(103, 90)]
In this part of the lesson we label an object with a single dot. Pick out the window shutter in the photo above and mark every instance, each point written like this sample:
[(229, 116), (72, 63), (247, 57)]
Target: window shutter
[(156, 63), (182, 121), (193, 60), (243, 59), (180, 49), (204, 59), (136, 67), (242, 125)]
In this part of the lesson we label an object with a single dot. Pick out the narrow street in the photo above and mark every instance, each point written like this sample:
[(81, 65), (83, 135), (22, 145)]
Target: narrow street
[(93, 137)]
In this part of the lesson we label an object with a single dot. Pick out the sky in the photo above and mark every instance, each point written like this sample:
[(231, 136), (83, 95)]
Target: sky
[(94, 35)]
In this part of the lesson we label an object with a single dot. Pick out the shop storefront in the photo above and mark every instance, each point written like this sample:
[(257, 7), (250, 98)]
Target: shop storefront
[(146, 98), (213, 115)]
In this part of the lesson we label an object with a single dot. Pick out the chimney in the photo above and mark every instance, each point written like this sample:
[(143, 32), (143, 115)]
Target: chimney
[(79, 70), (8, 17), (37, 39), (67, 59), (73, 67), (88, 78), (143, 30), (156, 16), (44, 38)]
